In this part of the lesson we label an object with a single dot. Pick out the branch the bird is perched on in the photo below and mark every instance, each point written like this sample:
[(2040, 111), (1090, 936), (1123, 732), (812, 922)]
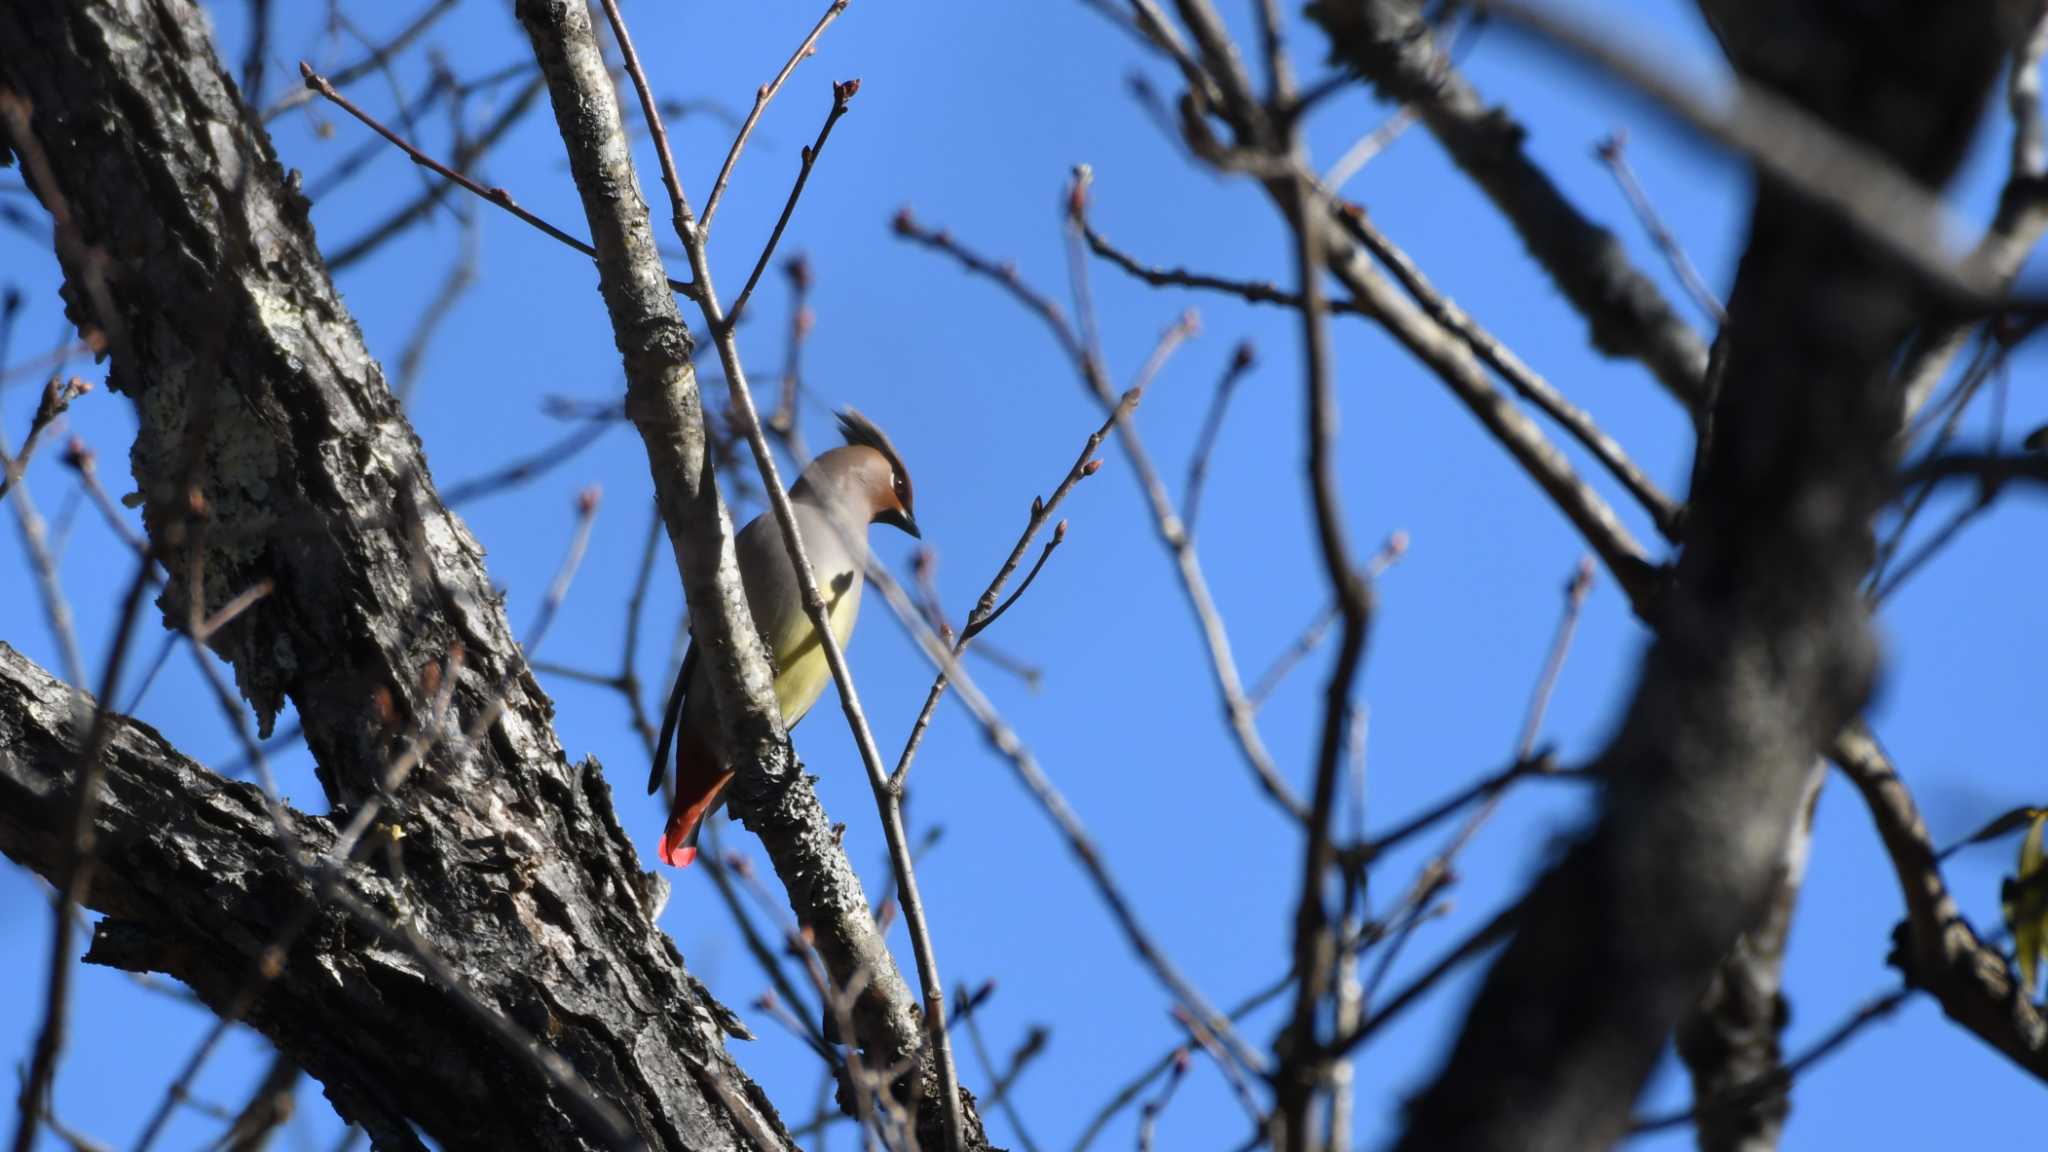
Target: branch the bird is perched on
[(662, 397)]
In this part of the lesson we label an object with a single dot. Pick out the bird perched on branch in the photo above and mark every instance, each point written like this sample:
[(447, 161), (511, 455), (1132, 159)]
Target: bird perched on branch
[(840, 493)]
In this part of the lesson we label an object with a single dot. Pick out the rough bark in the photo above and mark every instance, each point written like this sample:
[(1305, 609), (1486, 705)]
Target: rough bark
[(1730, 1039), (194, 884), (1763, 649), (516, 868), (1390, 44), (1934, 948)]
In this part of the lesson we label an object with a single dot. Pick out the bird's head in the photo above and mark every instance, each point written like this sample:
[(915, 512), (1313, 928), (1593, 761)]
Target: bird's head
[(876, 470)]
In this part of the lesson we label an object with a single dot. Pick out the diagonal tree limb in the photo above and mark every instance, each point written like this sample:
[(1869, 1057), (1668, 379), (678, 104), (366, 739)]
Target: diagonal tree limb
[(194, 884), (1390, 44), (1935, 949)]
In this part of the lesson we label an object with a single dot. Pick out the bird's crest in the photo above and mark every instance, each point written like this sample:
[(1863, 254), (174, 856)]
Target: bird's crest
[(858, 429)]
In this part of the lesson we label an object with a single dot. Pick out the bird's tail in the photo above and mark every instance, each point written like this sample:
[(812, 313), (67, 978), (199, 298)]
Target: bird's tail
[(700, 785)]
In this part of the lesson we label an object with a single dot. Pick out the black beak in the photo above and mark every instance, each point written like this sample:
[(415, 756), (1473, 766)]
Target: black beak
[(898, 518)]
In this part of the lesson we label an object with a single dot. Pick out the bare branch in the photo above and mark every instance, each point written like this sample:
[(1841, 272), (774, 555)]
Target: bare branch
[(986, 609), (1886, 205), (739, 141), (569, 57), (1167, 523), (1936, 949), (1390, 44), (1302, 1068), (497, 196), (1613, 152), (842, 97), (1241, 362)]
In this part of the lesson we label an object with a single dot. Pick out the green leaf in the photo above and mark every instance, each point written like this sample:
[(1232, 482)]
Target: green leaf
[(2026, 905), (2005, 824)]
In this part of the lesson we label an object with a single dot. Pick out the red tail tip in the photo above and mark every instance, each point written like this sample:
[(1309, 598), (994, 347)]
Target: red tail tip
[(675, 854)]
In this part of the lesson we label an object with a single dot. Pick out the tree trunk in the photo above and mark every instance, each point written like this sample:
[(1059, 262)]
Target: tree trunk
[(186, 243)]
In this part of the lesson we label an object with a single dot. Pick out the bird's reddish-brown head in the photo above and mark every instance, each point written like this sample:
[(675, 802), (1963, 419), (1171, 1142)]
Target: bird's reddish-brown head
[(884, 479)]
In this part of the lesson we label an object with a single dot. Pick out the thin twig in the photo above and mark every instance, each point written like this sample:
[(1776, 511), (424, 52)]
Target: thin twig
[(1148, 1115), (1439, 873), (57, 397), (1169, 342), (1518, 376), (1000, 1082), (1482, 938), (842, 97), (1304, 643), (81, 459), (1079, 841), (1486, 788), (529, 468), (558, 589), (1250, 291), (1241, 362), (1778, 1082), (1172, 533), (986, 609), (976, 628), (1368, 147), (1934, 544), (761, 98), (497, 196), (1233, 1072), (468, 152), (1612, 153), (377, 58)]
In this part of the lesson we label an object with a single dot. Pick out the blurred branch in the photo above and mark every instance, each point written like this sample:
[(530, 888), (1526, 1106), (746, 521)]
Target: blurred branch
[(1763, 644), (1389, 43), (378, 57), (1613, 152), (1881, 199), (1240, 362), (1730, 1041), (2016, 227), (1510, 368), (473, 150)]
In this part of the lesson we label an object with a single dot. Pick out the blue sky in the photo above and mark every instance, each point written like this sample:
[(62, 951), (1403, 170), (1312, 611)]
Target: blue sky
[(972, 115)]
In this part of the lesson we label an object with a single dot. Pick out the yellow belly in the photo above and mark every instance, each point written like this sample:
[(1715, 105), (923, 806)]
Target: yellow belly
[(801, 668)]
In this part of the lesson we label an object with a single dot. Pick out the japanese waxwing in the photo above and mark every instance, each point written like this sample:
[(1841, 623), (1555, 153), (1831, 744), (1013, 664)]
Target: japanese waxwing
[(840, 493)]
